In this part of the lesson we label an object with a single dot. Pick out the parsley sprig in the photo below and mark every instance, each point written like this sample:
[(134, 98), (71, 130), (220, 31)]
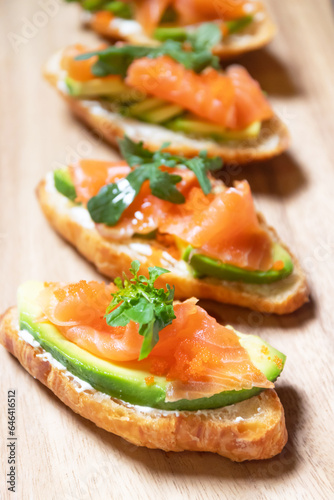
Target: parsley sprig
[(109, 204), (116, 59), (138, 300)]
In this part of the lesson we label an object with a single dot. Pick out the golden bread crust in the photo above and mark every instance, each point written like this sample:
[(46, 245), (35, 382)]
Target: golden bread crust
[(251, 430), (112, 258)]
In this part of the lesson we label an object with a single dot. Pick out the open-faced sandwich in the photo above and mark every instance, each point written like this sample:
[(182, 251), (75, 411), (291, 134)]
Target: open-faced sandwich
[(169, 211), (160, 374), (244, 25), (170, 93)]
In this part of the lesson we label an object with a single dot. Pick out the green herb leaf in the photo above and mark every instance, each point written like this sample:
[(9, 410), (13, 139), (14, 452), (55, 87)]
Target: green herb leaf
[(205, 37), (138, 300), (111, 201), (115, 60), (109, 204), (200, 165), (133, 152), (162, 186)]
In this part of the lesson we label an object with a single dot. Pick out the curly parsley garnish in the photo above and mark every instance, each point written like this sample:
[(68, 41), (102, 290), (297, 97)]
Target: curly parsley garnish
[(111, 201), (138, 300)]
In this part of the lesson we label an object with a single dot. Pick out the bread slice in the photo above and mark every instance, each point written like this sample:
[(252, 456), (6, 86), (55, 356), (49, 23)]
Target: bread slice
[(255, 36), (251, 430), (107, 123), (113, 257)]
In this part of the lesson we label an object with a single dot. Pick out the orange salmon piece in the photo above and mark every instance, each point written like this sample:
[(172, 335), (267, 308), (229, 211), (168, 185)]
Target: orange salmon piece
[(250, 103), (201, 357), (197, 11), (149, 13), (209, 95), (101, 20), (240, 240), (89, 176), (78, 312)]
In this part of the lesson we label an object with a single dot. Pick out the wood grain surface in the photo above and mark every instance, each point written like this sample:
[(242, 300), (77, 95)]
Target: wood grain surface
[(63, 456)]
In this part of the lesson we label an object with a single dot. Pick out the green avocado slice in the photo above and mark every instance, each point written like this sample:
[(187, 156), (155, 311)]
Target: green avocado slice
[(125, 381), (238, 24), (197, 127), (64, 184), (170, 33), (97, 87), (203, 265)]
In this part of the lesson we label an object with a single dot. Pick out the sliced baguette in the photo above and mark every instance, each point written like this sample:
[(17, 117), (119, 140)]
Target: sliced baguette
[(113, 257), (107, 123), (251, 430), (255, 36)]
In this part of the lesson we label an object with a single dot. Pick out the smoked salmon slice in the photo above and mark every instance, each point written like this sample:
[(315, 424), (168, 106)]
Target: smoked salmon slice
[(197, 11), (78, 311), (89, 176), (223, 225), (233, 100), (250, 103), (198, 356), (149, 12)]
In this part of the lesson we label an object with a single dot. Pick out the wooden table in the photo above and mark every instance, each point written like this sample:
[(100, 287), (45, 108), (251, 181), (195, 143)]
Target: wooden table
[(60, 455)]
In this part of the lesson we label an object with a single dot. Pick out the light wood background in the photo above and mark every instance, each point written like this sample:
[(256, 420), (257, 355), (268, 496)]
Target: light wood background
[(61, 455)]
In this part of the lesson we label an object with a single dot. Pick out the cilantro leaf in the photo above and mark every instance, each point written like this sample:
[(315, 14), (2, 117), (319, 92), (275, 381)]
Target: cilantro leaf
[(111, 201), (109, 204), (205, 37), (133, 152), (162, 186), (140, 301), (200, 165)]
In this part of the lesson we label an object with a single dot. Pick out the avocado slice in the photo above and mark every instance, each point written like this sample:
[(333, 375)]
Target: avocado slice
[(170, 33), (207, 266), (238, 24), (126, 381), (99, 87), (192, 125), (144, 106), (154, 110), (162, 114), (64, 184)]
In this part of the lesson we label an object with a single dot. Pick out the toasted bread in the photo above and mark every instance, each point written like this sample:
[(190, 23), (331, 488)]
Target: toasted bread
[(113, 257), (255, 36), (272, 140), (251, 430)]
